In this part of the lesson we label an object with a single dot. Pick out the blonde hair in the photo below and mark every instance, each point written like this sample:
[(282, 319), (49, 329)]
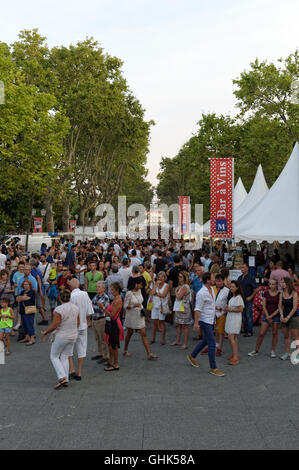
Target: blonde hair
[(215, 269), (185, 274), (162, 273)]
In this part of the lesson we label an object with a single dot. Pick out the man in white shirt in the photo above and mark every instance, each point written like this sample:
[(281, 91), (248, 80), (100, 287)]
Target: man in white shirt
[(2, 260), (44, 268), (154, 256), (82, 300), (117, 249), (204, 318), (125, 272), (134, 260)]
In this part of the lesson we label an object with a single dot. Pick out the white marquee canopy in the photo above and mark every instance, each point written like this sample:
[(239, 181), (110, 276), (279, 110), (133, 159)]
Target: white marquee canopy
[(276, 216), (257, 192)]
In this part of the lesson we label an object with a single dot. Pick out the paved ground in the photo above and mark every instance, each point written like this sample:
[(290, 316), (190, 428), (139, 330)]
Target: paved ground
[(150, 405)]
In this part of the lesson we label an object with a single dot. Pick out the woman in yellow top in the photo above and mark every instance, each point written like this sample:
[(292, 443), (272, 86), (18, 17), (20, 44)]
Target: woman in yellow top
[(6, 322)]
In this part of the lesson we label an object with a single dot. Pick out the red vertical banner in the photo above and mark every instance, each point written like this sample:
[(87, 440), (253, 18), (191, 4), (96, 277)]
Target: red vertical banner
[(221, 203), (37, 224), (184, 203), (73, 224)]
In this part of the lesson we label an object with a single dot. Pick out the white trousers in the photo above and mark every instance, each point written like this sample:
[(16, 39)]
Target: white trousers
[(60, 351), (81, 344)]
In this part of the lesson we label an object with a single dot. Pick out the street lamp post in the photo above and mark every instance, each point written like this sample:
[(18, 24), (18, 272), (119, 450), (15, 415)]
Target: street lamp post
[(43, 213), (29, 228)]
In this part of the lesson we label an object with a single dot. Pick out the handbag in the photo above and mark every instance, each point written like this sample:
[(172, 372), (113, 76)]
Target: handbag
[(149, 305), (164, 310), (108, 327), (29, 309)]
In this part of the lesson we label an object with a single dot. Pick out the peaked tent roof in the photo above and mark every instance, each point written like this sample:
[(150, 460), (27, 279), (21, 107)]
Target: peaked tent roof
[(257, 192), (276, 217), (240, 194)]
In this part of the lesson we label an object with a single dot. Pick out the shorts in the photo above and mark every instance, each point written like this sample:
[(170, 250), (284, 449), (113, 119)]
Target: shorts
[(157, 315), (293, 323), (38, 301), (52, 302), (276, 319), (5, 330), (220, 324), (81, 344)]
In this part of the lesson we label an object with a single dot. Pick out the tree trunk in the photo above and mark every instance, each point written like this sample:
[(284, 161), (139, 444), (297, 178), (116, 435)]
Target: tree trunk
[(49, 215), (66, 216), (83, 211), (29, 222)]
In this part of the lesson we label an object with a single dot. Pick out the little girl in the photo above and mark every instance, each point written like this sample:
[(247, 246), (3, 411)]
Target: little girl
[(6, 322)]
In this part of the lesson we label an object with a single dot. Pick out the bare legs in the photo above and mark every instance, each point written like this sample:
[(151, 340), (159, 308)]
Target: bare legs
[(159, 325), (233, 339), (263, 331), (185, 330), (72, 367), (145, 342)]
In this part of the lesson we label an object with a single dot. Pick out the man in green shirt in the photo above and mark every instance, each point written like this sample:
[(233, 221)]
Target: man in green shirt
[(91, 279)]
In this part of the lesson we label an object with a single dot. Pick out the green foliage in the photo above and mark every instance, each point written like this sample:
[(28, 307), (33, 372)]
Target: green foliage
[(264, 131), (70, 129)]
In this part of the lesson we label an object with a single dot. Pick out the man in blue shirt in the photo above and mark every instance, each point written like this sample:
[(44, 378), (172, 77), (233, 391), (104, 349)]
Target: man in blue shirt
[(250, 289), (51, 254), (196, 281), (27, 276)]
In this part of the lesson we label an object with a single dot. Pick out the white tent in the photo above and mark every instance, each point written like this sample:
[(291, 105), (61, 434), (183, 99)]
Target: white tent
[(239, 196), (257, 192), (276, 217)]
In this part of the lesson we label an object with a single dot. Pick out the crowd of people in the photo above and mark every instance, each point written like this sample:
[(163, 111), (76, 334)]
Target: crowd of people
[(119, 288)]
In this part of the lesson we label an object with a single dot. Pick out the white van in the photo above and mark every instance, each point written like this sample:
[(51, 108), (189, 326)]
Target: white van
[(34, 242)]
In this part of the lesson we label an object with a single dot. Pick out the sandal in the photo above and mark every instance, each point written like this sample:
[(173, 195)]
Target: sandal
[(30, 343), (24, 341), (152, 342), (111, 368), (127, 354), (175, 344), (61, 384), (8, 353), (183, 347), (152, 356)]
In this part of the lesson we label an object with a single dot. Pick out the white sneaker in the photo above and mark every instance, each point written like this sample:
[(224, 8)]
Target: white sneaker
[(253, 353), (273, 354)]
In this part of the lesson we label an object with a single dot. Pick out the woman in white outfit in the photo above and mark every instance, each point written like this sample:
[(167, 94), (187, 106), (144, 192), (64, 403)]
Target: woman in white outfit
[(135, 320), (233, 321), (66, 320), (160, 306)]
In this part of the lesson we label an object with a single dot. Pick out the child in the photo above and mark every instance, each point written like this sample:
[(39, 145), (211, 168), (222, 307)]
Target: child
[(6, 322), (52, 272)]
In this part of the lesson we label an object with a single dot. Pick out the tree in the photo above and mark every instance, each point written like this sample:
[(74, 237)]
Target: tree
[(108, 133), (264, 131), (265, 91), (31, 135)]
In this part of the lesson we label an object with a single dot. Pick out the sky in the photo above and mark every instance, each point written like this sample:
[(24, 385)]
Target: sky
[(180, 56)]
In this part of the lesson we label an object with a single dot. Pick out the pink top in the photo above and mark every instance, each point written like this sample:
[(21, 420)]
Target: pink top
[(120, 327)]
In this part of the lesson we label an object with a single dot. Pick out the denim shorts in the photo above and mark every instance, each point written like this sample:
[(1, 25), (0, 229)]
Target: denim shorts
[(275, 319), (5, 330)]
